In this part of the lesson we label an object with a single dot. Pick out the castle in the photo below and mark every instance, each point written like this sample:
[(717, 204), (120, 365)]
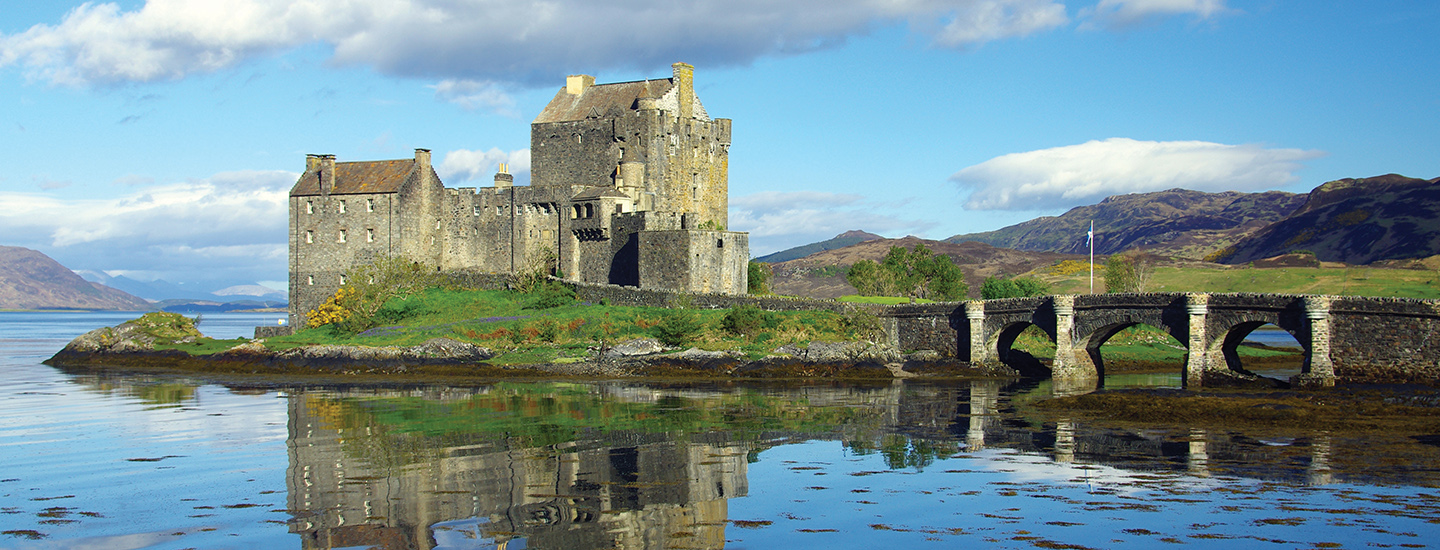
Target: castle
[(629, 186)]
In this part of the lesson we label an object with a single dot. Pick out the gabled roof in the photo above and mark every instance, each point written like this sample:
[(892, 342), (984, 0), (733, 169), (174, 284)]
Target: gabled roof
[(351, 178), (601, 100)]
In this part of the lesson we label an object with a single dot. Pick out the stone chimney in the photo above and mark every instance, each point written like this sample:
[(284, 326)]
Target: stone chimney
[(503, 178), (684, 81), (576, 84), (327, 174), (422, 157), (312, 163)]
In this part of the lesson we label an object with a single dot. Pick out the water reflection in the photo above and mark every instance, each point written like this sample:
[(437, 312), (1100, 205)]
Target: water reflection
[(618, 465)]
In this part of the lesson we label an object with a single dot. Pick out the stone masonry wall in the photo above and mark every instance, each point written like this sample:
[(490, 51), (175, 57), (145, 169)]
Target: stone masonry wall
[(1385, 339)]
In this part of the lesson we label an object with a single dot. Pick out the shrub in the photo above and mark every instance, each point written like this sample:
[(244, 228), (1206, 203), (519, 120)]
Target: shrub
[(551, 294), (547, 330), (744, 320), (677, 328), (757, 279)]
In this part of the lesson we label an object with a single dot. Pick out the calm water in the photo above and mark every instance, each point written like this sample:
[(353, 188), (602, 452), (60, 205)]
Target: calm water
[(107, 461)]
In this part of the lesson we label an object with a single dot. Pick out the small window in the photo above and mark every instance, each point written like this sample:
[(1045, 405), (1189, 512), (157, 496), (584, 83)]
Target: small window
[(309, 207), (369, 235), (342, 279), (719, 243), (499, 211), (369, 205), (437, 224), (342, 236), (309, 237), (477, 210), (310, 280), (341, 208)]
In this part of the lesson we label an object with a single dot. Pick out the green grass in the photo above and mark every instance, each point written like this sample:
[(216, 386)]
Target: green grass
[(1346, 281), (504, 322)]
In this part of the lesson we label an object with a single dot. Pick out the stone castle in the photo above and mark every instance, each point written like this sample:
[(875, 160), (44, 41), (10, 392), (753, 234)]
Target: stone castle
[(628, 186)]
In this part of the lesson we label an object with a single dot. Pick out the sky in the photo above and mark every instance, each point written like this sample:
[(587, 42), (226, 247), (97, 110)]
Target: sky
[(159, 139)]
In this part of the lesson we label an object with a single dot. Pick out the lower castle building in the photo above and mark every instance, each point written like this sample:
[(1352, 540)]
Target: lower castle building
[(629, 186)]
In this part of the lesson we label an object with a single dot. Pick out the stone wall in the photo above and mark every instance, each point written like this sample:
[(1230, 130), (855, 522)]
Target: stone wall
[(1385, 339)]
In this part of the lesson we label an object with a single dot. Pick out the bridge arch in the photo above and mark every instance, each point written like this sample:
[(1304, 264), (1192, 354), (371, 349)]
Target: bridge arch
[(1002, 342)]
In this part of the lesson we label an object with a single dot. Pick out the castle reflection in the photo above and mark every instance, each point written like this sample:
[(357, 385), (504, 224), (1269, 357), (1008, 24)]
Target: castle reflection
[(553, 465)]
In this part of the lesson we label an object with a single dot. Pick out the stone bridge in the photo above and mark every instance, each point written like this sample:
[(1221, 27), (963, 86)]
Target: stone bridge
[(1348, 338)]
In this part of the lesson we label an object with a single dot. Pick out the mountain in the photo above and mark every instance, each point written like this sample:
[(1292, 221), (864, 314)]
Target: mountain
[(1356, 221), (840, 241), (820, 275), (32, 280), (161, 289), (1177, 222)]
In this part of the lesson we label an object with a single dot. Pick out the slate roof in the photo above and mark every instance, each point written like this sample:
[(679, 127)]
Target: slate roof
[(351, 178), (602, 99)]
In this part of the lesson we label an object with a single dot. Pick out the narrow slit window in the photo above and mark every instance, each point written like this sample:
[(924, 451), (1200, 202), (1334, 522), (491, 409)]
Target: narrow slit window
[(369, 205), (309, 237), (341, 208), (369, 235), (342, 236)]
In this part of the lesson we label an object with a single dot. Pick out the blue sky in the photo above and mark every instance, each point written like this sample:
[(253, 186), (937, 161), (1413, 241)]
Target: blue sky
[(158, 139)]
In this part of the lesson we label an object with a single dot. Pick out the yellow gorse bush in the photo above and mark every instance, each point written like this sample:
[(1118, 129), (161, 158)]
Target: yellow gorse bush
[(331, 311)]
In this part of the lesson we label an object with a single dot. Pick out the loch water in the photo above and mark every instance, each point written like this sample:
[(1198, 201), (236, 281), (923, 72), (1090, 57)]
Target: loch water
[(103, 460)]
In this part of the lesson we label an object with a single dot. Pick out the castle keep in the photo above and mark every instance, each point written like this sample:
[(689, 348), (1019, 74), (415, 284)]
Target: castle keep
[(628, 186)]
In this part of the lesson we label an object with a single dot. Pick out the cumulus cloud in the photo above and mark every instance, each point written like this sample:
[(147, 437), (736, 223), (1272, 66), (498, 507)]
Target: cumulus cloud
[(528, 41), (777, 220), (1127, 13), (463, 165), (230, 224), (475, 95), (986, 21), (1082, 174)]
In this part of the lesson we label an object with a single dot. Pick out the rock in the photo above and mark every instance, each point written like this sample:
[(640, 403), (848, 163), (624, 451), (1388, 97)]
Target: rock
[(923, 355), (699, 355), (636, 347), (447, 349), (841, 352)]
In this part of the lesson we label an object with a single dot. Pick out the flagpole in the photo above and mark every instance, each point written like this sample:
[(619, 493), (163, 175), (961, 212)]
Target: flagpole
[(1091, 238)]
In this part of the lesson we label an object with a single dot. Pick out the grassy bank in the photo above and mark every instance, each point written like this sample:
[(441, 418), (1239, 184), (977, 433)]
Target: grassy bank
[(524, 332)]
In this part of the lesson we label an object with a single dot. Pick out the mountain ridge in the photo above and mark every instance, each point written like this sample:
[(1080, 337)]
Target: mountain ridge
[(31, 280)]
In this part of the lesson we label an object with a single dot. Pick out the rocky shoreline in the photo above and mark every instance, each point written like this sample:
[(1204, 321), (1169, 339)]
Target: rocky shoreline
[(129, 346)]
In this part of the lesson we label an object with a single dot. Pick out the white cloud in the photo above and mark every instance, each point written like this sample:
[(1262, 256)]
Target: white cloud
[(1085, 173), (777, 221), (475, 95), (527, 42), (230, 224), (463, 165), (991, 20), (1126, 13)]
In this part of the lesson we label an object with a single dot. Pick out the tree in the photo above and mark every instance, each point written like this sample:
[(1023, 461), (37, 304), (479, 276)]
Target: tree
[(758, 278), (1127, 272), (996, 288), (919, 273), (1000, 287)]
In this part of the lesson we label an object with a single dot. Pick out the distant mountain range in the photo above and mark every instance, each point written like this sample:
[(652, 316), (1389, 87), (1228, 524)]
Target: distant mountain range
[(1178, 222), (840, 241), (31, 280), (1357, 221), (817, 275), (164, 290)]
